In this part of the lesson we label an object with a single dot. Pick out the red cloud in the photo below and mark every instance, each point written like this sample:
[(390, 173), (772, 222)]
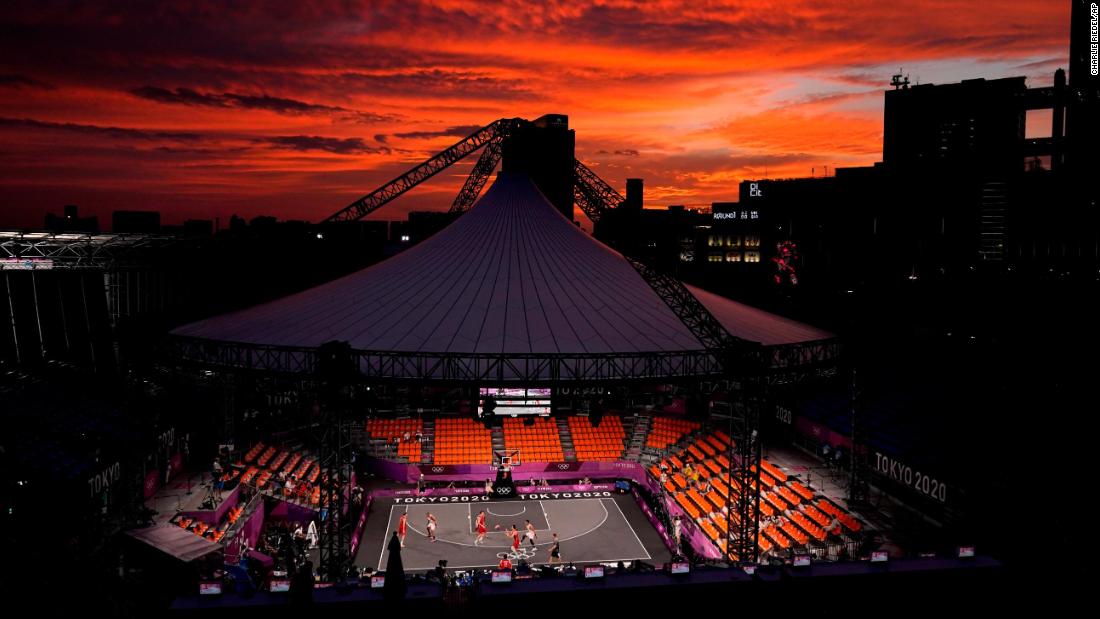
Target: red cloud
[(295, 109)]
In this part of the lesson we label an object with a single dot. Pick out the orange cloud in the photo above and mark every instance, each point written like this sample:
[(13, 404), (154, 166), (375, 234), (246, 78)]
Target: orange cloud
[(295, 110)]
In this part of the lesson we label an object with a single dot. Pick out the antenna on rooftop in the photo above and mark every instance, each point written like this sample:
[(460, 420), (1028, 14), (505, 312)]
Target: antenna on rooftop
[(899, 81)]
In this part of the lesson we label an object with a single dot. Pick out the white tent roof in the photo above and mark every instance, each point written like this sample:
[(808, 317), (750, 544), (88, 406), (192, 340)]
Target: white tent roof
[(510, 276), (756, 325)]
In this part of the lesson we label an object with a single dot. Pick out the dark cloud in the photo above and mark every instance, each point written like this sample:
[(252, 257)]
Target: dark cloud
[(113, 132), (279, 105), (242, 40), (609, 64), (1046, 63), (184, 96), (204, 152), (436, 83), (339, 146), (459, 131), (865, 78), (623, 152), (22, 81)]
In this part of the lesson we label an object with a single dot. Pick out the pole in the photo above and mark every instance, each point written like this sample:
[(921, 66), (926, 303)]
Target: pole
[(38, 317), (64, 322), (11, 314)]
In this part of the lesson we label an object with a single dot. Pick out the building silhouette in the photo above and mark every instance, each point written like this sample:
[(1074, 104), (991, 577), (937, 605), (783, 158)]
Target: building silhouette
[(135, 221), (961, 189), (71, 221)]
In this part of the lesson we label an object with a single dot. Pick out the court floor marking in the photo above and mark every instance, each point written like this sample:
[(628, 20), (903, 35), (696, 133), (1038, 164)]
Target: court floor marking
[(531, 563), (606, 515), (520, 513), (546, 516), (470, 519), (631, 527), (385, 537)]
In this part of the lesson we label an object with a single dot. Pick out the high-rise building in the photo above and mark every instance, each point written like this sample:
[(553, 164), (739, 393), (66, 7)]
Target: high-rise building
[(1083, 105), (975, 127), (71, 221), (544, 150)]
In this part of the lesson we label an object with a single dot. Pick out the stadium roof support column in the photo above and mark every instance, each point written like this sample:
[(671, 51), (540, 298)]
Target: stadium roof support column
[(336, 372)]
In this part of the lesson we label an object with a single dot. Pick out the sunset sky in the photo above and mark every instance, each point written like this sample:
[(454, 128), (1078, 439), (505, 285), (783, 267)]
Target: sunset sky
[(294, 109)]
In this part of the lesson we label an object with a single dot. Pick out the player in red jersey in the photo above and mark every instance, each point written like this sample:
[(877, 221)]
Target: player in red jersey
[(514, 532), (431, 526), (403, 527), (481, 528)]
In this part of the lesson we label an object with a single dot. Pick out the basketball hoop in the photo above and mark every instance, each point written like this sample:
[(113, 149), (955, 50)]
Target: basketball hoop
[(506, 458)]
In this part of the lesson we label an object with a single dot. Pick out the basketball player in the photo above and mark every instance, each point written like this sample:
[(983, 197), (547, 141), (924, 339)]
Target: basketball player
[(514, 533), (555, 551), (481, 528), (431, 526), (403, 527), (530, 532)]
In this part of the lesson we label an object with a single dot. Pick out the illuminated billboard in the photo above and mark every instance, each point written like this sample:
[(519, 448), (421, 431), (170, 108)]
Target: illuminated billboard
[(516, 401)]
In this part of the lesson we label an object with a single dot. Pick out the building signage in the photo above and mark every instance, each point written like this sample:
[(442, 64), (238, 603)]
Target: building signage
[(167, 438), (783, 414), (104, 479), (913, 478), (581, 391), (737, 215), (755, 191), (25, 264), (523, 496)]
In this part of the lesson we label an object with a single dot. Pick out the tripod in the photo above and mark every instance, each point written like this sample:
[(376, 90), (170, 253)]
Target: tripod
[(208, 502)]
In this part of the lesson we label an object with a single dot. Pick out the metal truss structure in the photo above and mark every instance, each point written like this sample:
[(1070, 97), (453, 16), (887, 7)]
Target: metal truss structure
[(594, 196), (457, 368), (858, 482), (590, 192), (335, 374), (743, 474), (71, 250), (479, 175), (687, 308), (422, 172), (698, 365)]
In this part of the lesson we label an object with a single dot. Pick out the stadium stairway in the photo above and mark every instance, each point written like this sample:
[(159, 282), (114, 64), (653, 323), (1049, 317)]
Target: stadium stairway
[(567, 447), (427, 448), (498, 439), (636, 434)]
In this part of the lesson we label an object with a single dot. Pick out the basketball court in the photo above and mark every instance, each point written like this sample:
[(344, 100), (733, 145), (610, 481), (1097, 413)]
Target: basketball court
[(591, 526)]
